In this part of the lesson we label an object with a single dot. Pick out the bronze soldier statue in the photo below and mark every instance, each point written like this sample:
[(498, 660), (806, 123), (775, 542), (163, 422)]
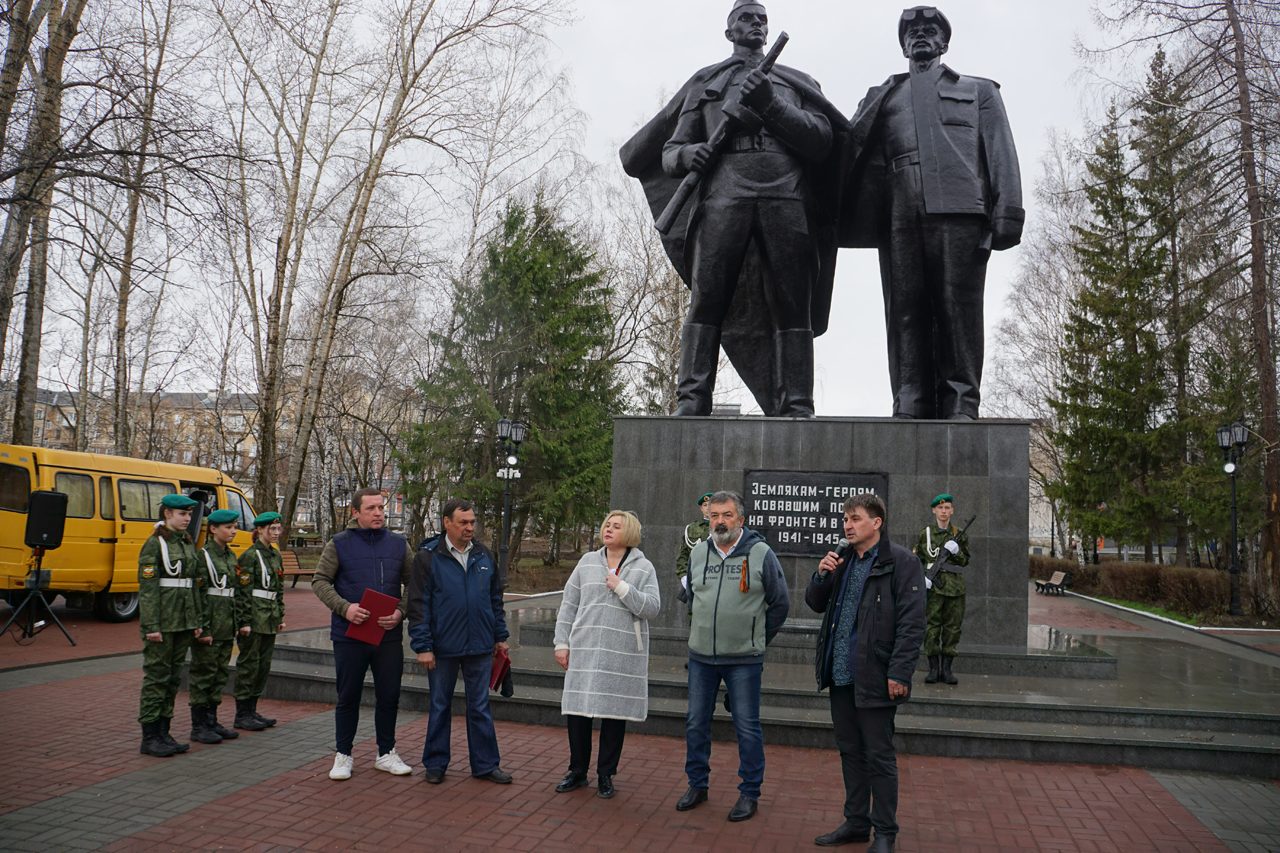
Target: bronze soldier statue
[(757, 242), (933, 183)]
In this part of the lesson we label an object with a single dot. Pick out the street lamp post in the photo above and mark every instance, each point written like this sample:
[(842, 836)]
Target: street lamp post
[(1232, 439), (511, 435)]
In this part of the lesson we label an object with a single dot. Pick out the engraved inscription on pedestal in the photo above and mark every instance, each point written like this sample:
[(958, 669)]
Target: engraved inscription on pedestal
[(801, 513)]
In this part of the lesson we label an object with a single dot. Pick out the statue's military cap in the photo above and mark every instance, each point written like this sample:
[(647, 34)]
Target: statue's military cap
[(927, 12)]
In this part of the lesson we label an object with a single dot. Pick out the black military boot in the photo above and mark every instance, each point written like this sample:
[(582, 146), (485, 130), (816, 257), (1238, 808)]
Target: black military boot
[(245, 718), (699, 356), (168, 738), (152, 743), (795, 372), (266, 721), (211, 717), (932, 677), (946, 671), (200, 731)]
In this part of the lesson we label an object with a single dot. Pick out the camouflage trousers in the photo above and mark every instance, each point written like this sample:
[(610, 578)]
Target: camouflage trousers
[(209, 669), (254, 664), (162, 674), (944, 614)]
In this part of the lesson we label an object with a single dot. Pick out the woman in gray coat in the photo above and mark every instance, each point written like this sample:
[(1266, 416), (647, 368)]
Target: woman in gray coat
[(602, 641)]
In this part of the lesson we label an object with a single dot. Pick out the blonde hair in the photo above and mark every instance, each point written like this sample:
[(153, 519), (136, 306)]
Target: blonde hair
[(630, 527)]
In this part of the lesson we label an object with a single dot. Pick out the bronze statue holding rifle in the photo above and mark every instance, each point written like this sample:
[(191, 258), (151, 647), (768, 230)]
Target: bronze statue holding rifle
[(754, 145)]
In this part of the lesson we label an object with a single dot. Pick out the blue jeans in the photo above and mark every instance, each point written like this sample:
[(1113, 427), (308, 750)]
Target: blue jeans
[(742, 681), (482, 740)]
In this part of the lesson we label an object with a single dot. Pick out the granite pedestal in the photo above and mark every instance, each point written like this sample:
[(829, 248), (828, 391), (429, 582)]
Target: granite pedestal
[(662, 464)]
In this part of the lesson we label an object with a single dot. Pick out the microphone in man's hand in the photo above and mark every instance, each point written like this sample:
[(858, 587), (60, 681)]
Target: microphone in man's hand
[(843, 547)]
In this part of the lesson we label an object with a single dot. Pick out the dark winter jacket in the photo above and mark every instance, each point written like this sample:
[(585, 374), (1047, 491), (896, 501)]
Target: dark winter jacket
[(355, 560), (454, 612), (890, 626)]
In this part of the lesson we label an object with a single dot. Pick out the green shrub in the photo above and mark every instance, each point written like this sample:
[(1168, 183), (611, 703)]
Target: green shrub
[(1182, 590)]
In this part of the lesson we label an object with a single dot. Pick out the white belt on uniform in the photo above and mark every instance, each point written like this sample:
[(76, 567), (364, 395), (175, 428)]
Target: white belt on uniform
[(264, 593), (221, 593), (180, 583)]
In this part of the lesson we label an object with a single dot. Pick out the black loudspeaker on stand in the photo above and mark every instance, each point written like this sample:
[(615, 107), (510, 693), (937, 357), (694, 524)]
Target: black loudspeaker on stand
[(46, 518)]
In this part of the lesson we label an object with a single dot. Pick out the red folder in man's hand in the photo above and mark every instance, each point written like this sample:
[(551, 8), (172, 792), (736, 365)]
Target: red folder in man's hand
[(378, 604), (501, 666)]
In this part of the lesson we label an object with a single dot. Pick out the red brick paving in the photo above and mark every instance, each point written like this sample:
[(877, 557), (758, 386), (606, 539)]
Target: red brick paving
[(71, 734), (947, 804), (1063, 611), (95, 638)]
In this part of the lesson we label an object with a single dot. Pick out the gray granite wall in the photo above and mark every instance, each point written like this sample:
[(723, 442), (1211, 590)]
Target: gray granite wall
[(662, 464)]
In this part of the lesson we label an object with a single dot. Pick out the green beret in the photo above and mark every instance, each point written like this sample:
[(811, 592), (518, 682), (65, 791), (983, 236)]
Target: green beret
[(706, 497), (265, 518), (940, 498), (178, 502), (223, 516)]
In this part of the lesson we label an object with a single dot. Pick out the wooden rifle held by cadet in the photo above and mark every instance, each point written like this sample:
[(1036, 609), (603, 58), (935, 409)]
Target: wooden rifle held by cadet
[(717, 142), (945, 555)]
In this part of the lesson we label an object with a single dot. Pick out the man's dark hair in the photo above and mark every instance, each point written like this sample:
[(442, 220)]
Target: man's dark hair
[(358, 496), (454, 504), (869, 502)]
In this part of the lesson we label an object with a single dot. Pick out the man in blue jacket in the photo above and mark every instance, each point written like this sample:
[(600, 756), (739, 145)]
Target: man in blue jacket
[(872, 598), (739, 600), (456, 623)]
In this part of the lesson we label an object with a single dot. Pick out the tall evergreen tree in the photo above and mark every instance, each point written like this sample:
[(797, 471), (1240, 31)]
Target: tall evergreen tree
[(526, 343), (1108, 410)]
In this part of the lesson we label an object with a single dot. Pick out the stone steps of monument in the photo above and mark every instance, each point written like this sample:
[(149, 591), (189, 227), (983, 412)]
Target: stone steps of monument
[(791, 686), (539, 703)]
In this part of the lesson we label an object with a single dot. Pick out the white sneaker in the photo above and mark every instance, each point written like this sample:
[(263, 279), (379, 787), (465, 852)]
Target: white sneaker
[(390, 762), (341, 767)]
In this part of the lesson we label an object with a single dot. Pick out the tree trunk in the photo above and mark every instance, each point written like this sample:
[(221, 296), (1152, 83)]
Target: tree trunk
[(24, 404), (1260, 309)]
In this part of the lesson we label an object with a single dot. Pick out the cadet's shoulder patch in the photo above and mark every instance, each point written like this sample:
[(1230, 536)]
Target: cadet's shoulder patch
[(148, 572)]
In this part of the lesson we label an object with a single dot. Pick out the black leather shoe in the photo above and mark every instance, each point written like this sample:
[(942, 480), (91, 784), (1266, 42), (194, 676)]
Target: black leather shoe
[(845, 833), (692, 797), (497, 775), (435, 777), (571, 782), (743, 809), (604, 787), (882, 844)]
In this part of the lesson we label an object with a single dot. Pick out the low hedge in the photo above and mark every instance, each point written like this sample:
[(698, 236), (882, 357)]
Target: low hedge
[(1191, 591)]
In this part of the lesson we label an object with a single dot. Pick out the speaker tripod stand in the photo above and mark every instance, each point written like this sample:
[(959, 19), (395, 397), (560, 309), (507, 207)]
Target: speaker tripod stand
[(37, 580)]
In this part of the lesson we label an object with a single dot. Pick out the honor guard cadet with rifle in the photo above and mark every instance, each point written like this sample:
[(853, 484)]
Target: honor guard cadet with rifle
[(944, 611), (260, 596), (211, 654), (170, 616), (694, 532)]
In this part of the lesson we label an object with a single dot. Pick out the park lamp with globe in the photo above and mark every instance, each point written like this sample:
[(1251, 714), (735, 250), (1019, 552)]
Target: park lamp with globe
[(511, 434), (1232, 439)]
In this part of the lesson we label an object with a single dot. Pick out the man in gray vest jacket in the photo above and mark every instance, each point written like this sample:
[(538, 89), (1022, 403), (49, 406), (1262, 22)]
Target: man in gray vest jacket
[(738, 601)]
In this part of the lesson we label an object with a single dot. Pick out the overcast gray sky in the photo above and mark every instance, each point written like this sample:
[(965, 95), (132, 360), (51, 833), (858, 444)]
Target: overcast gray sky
[(623, 56)]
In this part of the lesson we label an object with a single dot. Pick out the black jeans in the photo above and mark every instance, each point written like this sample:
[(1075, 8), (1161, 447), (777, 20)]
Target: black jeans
[(864, 737), (351, 660), (612, 733)]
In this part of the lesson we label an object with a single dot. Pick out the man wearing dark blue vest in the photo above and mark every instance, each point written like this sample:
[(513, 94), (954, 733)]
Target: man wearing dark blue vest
[(365, 556), (456, 624)]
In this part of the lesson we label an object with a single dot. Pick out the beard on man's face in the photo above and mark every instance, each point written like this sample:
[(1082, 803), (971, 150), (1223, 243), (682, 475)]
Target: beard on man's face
[(724, 534)]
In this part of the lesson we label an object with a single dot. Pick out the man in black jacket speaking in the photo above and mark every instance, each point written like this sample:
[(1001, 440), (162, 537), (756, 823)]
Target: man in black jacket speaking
[(872, 594)]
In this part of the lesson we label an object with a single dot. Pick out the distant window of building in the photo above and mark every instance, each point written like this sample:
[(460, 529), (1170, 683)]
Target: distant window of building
[(15, 488), (79, 491)]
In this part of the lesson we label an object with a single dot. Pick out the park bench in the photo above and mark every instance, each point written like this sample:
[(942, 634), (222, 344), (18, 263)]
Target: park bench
[(1055, 585), (292, 568)]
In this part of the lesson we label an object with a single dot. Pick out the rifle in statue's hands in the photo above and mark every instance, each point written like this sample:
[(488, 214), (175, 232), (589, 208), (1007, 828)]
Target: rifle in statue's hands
[(945, 555), (717, 141)]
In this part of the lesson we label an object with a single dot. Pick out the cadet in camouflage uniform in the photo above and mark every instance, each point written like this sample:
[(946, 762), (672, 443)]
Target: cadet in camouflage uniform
[(944, 610), (694, 532), (260, 605), (170, 616), (212, 652)]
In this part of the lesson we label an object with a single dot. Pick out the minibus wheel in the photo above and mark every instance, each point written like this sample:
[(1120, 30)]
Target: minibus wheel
[(116, 606)]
